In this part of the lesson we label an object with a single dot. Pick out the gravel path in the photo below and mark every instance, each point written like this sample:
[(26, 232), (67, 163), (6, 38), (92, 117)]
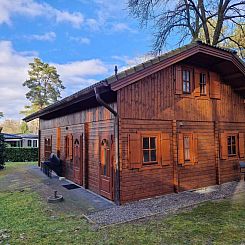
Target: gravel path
[(164, 205)]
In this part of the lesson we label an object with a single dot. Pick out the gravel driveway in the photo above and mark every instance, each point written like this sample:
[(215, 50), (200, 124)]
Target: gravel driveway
[(165, 204)]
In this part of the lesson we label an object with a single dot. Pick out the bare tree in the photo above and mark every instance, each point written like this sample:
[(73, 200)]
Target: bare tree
[(186, 19)]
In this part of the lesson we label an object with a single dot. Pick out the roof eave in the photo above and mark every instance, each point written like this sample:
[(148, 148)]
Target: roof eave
[(75, 98)]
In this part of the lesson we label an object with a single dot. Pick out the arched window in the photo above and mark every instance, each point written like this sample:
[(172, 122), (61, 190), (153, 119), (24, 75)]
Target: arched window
[(105, 157)]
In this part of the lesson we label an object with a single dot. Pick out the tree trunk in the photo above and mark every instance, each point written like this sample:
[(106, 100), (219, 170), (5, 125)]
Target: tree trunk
[(204, 22)]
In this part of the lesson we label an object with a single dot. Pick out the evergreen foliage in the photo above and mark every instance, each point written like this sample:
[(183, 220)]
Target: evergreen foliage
[(18, 154), (44, 84), (2, 151)]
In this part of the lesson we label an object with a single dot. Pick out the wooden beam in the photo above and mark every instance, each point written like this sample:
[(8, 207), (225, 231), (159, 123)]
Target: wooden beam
[(216, 65), (233, 76), (239, 89)]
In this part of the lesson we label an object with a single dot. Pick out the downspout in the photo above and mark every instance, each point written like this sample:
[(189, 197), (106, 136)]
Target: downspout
[(116, 132)]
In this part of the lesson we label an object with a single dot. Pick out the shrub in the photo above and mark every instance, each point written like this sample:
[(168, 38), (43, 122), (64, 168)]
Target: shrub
[(16, 154), (2, 151)]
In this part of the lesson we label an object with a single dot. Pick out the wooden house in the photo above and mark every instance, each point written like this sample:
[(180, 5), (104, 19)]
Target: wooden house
[(173, 123), (21, 140)]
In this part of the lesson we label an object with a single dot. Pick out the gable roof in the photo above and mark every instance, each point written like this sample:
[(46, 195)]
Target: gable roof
[(144, 69)]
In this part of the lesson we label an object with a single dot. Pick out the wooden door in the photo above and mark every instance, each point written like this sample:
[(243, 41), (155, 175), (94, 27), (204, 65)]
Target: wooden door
[(106, 168), (78, 159)]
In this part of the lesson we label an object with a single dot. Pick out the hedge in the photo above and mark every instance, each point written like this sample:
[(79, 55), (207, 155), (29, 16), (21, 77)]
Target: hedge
[(17, 154), (2, 151)]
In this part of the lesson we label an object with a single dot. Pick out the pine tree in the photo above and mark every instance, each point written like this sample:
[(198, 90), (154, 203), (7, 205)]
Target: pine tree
[(43, 83)]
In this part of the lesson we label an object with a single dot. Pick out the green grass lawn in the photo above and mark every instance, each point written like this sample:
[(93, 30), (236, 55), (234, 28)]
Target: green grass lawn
[(25, 219), (11, 166)]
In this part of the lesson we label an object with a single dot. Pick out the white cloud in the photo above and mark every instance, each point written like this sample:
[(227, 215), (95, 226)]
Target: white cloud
[(75, 18), (34, 9), (119, 27), (82, 40), (13, 72), (48, 36), (79, 72), (128, 62), (110, 17), (95, 25)]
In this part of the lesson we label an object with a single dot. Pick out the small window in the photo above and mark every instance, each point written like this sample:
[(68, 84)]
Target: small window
[(187, 148), (105, 158), (231, 143), (203, 84), (69, 147), (149, 146), (47, 147), (34, 143), (29, 143), (186, 81)]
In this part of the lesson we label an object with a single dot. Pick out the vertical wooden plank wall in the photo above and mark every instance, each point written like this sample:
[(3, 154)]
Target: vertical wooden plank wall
[(91, 122), (204, 172), (145, 182), (152, 104)]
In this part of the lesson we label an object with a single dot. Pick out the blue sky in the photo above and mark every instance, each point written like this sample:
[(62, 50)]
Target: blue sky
[(84, 39)]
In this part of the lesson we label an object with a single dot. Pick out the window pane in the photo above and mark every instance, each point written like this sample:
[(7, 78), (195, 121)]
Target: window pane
[(146, 157), (184, 86), (204, 89), (187, 148), (105, 170), (153, 143), (184, 75), (229, 140), (187, 154), (153, 156), (186, 142), (203, 83), (145, 143), (229, 150)]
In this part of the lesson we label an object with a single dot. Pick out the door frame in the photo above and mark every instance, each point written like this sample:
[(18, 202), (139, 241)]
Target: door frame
[(103, 179), (79, 138)]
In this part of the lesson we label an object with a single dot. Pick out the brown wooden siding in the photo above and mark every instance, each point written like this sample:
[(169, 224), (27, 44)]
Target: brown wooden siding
[(91, 124), (231, 106), (202, 173), (150, 98), (152, 104), (229, 168), (95, 131), (147, 181), (154, 98)]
